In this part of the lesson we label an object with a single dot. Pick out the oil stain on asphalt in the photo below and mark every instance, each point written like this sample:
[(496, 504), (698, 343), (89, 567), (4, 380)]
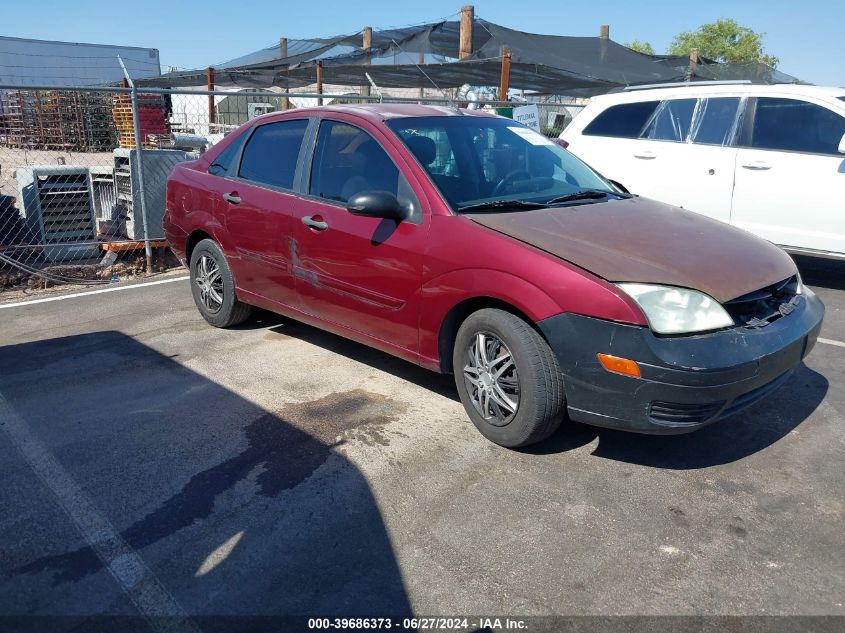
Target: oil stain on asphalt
[(286, 447)]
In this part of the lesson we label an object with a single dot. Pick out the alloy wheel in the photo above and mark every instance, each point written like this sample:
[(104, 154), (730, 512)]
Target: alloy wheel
[(210, 283), (491, 379)]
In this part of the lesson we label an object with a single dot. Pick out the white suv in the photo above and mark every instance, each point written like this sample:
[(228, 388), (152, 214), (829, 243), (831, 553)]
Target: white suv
[(769, 159)]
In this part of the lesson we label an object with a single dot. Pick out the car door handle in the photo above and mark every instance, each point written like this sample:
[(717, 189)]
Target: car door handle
[(646, 155), (757, 165), (309, 221), (232, 197)]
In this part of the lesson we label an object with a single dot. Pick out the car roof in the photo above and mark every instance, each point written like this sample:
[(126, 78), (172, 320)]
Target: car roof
[(384, 111), (704, 88)]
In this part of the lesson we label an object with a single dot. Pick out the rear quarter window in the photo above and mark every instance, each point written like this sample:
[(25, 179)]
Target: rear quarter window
[(222, 163), (625, 120), (272, 152)]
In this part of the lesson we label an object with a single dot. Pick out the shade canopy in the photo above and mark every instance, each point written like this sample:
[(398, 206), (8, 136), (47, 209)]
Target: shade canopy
[(426, 56)]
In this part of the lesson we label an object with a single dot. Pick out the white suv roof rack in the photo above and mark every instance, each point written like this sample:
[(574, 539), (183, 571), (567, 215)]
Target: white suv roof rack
[(680, 84)]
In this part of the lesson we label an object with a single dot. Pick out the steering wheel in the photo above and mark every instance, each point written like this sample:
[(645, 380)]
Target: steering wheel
[(509, 179)]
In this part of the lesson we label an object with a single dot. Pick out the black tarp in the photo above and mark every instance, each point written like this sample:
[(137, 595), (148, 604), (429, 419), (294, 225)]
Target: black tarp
[(426, 56)]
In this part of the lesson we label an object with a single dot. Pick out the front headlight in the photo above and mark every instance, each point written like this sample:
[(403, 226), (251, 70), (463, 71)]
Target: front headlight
[(677, 310)]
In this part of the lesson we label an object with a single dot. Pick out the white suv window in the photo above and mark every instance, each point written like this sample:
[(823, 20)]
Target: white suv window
[(796, 126), (672, 122), (625, 120), (716, 120)]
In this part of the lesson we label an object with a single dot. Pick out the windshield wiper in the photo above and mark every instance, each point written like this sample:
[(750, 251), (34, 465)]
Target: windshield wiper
[(587, 194), (502, 204)]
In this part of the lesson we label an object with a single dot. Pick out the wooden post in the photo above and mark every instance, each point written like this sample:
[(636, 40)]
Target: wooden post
[(366, 44), (283, 52), (467, 18), (604, 36), (505, 81), (693, 62), (211, 114), (319, 81)]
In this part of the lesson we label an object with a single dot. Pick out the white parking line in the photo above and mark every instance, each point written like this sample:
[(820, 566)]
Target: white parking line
[(827, 341), (145, 590), (92, 292)]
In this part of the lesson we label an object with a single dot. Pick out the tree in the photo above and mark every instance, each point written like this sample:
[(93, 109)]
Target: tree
[(641, 47), (723, 41)]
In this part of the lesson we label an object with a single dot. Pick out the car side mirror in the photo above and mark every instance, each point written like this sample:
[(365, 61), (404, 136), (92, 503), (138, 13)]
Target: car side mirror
[(842, 145), (376, 204)]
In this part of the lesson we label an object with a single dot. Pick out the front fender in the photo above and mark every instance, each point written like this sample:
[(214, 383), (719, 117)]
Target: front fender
[(444, 292)]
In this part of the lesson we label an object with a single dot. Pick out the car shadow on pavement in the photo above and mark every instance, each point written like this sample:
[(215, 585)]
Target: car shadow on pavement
[(237, 510), (722, 442), (443, 385)]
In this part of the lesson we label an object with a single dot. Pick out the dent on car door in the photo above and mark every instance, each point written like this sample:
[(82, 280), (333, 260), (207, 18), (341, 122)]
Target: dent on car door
[(790, 176), (360, 273), (259, 202)]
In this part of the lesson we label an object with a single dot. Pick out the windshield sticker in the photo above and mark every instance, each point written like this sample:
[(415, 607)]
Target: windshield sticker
[(535, 138)]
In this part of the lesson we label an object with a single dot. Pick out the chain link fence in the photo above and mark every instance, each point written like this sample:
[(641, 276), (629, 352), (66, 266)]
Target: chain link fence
[(80, 204)]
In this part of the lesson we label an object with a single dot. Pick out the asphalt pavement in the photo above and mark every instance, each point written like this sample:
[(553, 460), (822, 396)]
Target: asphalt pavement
[(153, 465)]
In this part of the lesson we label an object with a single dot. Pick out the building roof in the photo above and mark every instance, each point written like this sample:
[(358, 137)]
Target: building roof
[(27, 62)]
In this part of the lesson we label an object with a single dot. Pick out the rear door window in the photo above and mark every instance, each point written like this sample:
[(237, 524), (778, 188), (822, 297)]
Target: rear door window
[(716, 121), (626, 120), (796, 126), (672, 122), (271, 153)]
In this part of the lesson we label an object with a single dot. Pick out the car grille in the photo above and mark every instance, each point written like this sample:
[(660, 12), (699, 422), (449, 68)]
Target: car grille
[(677, 414), (760, 308)]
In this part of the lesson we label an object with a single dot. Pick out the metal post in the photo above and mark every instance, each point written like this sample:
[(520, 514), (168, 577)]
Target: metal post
[(136, 127), (283, 53), (212, 119)]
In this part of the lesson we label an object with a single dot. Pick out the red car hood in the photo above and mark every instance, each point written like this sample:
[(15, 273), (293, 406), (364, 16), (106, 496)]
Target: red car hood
[(641, 240)]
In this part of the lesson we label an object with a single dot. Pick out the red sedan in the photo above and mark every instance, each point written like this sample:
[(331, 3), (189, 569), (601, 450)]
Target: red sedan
[(470, 244)]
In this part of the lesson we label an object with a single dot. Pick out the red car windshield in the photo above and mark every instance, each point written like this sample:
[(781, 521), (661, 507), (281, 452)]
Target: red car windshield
[(476, 160)]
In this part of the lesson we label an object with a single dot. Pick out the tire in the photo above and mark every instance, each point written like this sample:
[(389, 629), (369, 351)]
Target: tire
[(214, 290), (534, 385)]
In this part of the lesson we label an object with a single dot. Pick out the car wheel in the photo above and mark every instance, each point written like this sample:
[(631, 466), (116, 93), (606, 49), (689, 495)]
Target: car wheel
[(213, 286), (508, 378)]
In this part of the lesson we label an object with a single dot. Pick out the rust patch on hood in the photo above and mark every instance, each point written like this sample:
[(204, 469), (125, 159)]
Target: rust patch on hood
[(641, 240)]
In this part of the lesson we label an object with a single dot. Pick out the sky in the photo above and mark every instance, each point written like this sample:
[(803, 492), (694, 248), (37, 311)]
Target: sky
[(806, 35)]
